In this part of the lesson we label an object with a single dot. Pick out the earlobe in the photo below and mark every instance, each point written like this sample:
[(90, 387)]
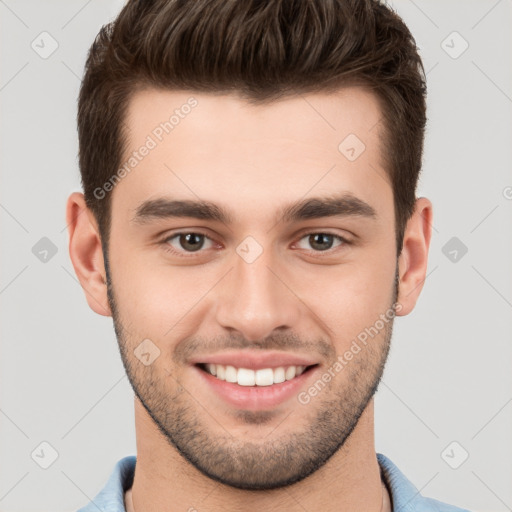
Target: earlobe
[(413, 260), (86, 253)]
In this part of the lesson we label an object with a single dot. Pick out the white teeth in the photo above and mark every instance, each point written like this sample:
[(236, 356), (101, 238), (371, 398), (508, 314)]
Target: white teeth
[(279, 375), (221, 371), (231, 374), (263, 377), (290, 372), (247, 377)]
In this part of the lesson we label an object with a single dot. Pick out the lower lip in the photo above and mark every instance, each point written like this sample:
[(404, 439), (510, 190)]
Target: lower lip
[(255, 398)]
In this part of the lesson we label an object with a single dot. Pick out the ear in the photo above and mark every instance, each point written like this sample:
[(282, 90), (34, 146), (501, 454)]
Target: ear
[(412, 263), (86, 253)]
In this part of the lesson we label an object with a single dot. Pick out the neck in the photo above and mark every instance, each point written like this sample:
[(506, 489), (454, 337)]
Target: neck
[(164, 480)]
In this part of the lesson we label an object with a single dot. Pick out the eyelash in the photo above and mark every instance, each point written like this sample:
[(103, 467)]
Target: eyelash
[(168, 248)]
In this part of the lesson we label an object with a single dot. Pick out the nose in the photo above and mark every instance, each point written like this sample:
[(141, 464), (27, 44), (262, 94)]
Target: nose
[(257, 298)]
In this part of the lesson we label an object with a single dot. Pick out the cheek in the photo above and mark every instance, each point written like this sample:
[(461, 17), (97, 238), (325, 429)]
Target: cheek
[(155, 299), (352, 297)]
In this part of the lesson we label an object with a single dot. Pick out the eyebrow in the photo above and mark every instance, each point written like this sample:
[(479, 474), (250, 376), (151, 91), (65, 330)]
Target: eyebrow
[(344, 205)]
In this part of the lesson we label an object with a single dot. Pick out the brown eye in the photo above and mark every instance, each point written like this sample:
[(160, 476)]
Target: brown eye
[(322, 242), (191, 241), (186, 242)]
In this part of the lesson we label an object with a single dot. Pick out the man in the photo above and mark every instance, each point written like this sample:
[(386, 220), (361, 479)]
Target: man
[(249, 221)]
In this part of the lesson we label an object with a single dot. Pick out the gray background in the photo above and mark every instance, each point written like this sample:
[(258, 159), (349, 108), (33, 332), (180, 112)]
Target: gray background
[(449, 373)]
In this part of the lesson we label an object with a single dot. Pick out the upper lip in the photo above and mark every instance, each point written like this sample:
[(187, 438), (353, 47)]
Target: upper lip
[(255, 360)]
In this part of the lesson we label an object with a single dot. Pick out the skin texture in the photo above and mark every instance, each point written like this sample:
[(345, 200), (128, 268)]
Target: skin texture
[(193, 448)]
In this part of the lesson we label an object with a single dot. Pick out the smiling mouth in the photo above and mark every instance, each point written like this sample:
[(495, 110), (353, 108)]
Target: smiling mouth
[(258, 377)]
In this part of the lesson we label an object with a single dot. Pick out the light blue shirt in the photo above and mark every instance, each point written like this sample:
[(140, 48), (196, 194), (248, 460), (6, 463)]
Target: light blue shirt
[(404, 496)]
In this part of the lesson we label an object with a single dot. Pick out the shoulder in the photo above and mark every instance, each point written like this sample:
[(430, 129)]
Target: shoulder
[(405, 496), (111, 496)]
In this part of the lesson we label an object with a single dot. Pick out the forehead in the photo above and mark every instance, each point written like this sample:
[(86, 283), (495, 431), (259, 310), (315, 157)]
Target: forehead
[(353, 110), (222, 148)]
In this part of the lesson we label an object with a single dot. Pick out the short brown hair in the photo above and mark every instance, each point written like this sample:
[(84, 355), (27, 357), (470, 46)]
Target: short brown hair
[(262, 50)]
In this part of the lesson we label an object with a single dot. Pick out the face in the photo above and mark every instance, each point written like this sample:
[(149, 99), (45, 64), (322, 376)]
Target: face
[(290, 271)]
